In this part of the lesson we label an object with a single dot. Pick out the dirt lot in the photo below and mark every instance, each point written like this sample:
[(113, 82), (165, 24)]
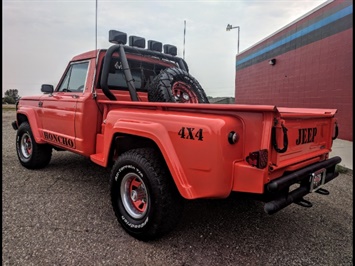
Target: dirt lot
[(62, 215)]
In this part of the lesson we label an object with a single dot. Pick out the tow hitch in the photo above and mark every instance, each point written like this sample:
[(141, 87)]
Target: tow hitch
[(307, 204), (310, 179), (304, 203), (322, 191)]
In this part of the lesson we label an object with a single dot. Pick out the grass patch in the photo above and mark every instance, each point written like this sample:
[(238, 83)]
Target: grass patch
[(9, 107)]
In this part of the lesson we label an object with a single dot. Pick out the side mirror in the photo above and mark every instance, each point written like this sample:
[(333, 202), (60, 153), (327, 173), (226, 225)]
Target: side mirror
[(46, 88)]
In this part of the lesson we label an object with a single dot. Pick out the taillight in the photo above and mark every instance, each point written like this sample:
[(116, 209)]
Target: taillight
[(258, 158)]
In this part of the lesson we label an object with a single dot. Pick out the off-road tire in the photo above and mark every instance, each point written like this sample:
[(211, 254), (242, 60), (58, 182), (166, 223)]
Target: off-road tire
[(176, 85), (143, 172), (30, 154)]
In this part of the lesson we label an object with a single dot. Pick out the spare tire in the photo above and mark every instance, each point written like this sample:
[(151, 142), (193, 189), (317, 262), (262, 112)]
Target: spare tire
[(176, 85)]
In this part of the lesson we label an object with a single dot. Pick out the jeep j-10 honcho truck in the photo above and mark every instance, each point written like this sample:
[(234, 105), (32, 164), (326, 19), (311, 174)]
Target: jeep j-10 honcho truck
[(140, 112)]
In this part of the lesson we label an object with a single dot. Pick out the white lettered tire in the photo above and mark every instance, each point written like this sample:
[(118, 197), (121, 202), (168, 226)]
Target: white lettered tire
[(30, 154), (144, 197)]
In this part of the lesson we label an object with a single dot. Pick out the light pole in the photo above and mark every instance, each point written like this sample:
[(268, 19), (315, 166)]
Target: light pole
[(229, 27)]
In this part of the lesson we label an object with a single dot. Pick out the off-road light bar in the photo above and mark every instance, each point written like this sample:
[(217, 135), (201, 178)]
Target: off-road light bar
[(137, 41), (117, 37), (170, 49), (155, 46)]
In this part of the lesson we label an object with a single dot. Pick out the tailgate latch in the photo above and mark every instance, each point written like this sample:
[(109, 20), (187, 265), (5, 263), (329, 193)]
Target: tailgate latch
[(274, 142)]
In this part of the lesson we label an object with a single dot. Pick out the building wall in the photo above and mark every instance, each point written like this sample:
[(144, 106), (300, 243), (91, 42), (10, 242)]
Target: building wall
[(313, 67)]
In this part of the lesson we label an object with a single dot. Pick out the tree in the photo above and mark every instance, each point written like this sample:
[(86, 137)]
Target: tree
[(11, 96)]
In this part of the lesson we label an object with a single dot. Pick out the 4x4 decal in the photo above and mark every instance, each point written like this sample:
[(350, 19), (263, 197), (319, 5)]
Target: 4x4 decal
[(188, 133)]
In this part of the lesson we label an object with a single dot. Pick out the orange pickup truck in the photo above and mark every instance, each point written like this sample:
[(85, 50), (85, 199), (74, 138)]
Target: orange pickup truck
[(140, 112)]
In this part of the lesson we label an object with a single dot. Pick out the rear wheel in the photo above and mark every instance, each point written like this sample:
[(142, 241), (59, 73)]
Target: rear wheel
[(31, 154), (176, 85), (144, 197)]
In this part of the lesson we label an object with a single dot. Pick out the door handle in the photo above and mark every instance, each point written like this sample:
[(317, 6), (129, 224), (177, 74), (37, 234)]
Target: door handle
[(40, 104), (75, 96)]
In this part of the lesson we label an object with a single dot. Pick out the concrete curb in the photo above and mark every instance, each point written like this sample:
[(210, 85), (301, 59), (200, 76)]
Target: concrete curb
[(343, 170), (343, 149)]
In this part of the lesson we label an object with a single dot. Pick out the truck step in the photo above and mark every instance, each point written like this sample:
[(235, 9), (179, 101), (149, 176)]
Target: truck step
[(98, 158)]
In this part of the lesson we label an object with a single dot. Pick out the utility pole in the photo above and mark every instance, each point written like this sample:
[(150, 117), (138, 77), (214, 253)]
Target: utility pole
[(230, 27)]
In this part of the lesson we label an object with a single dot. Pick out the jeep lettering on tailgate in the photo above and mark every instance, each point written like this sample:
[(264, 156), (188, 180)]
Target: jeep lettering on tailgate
[(306, 135)]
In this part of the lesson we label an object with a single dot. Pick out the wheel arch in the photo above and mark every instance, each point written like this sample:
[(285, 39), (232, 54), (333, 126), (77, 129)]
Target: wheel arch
[(21, 118), (124, 141), (30, 117), (146, 203)]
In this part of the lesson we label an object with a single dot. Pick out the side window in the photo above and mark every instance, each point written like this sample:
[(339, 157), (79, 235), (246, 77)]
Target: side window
[(75, 78)]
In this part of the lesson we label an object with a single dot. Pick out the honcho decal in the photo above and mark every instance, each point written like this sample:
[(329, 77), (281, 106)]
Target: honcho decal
[(58, 139)]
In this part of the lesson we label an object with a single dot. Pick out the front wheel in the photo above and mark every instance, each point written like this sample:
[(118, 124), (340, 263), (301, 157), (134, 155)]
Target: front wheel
[(31, 154), (144, 197)]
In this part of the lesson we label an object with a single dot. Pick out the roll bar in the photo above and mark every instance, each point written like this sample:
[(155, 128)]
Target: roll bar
[(122, 50)]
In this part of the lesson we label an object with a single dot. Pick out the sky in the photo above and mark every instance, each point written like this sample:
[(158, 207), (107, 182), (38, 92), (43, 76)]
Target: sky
[(41, 37)]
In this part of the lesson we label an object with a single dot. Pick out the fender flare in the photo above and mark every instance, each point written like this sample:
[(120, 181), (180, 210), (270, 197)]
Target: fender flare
[(158, 134), (32, 119)]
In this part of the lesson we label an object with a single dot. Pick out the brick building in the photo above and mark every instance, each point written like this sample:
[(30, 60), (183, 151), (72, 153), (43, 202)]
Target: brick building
[(308, 63)]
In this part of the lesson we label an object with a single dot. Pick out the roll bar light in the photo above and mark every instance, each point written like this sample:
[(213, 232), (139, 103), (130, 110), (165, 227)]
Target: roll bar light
[(119, 37)]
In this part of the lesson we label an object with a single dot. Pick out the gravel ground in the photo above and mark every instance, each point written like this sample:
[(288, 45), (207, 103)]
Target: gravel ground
[(62, 215)]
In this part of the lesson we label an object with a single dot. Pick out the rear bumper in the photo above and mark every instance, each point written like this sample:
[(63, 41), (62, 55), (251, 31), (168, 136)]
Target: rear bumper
[(281, 200)]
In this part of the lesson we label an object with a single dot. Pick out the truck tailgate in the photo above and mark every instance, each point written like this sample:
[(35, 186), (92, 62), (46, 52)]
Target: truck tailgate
[(306, 133)]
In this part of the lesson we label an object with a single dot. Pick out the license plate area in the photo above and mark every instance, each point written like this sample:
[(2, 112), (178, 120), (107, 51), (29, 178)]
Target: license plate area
[(317, 179)]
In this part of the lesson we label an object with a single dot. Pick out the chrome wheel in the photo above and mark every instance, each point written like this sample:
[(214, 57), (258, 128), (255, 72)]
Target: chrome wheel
[(134, 195), (26, 146)]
